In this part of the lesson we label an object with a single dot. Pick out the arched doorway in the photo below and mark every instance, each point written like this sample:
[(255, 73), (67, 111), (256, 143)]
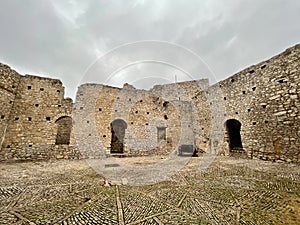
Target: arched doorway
[(118, 128), (64, 127), (233, 128)]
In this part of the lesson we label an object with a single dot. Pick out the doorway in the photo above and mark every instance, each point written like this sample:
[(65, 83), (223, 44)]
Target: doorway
[(233, 128), (64, 127), (118, 128)]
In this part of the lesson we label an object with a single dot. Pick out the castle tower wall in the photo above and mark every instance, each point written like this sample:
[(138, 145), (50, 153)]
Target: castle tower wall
[(265, 98), (9, 81), (32, 104)]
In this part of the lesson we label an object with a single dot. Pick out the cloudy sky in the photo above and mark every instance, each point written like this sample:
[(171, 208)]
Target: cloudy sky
[(62, 38)]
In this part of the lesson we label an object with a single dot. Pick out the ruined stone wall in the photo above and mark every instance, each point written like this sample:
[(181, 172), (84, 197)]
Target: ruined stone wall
[(195, 92), (265, 99), (192, 103), (173, 107), (35, 105), (9, 81), (141, 111)]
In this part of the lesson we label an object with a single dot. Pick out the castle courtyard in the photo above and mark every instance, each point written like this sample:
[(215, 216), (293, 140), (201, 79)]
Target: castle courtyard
[(229, 191), (149, 112)]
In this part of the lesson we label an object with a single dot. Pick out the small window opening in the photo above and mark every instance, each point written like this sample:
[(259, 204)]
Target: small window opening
[(48, 118), (165, 104), (161, 133), (281, 81), (29, 87)]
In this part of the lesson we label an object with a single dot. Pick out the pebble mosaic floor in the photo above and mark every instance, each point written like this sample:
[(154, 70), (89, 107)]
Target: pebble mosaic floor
[(230, 191)]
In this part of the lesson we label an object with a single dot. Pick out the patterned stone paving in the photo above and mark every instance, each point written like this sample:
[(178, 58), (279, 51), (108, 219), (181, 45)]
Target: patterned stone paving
[(230, 191)]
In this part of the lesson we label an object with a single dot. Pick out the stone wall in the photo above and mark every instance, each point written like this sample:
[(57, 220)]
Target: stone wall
[(9, 80), (141, 111), (173, 107), (31, 105), (265, 99), (262, 99)]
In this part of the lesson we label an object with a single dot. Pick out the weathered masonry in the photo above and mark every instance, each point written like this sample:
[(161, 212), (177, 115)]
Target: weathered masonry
[(255, 112), (262, 108), (139, 122), (35, 119)]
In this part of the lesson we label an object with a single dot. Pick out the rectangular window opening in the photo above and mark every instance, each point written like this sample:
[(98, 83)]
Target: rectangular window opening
[(161, 133)]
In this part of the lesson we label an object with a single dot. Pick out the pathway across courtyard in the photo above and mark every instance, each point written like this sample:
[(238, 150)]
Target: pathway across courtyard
[(230, 191)]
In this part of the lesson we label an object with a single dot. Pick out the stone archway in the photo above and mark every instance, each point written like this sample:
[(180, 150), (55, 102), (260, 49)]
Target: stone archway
[(64, 128), (233, 128), (118, 128)]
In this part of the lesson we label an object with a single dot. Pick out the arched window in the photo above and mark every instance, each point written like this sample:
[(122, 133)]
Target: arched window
[(64, 127)]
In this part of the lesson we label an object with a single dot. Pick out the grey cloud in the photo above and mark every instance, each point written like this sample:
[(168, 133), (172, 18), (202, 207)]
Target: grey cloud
[(62, 38)]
